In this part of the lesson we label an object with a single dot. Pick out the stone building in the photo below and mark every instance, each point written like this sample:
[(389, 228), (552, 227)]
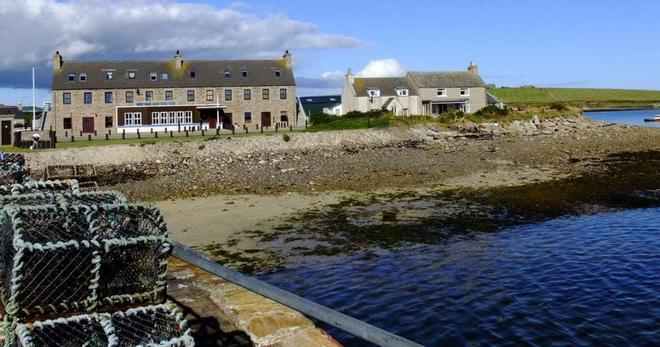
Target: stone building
[(127, 96), (417, 93)]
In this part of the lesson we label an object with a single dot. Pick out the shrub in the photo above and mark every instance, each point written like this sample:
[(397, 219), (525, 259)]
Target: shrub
[(321, 118), (557, 106), (286, 137), (492, 112)]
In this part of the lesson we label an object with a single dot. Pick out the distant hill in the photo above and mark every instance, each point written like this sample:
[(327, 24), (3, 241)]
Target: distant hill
[(577, 96)]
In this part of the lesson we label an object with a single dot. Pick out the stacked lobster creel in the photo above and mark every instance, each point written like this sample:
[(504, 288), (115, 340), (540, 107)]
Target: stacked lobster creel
[(84, 268), (13, 168)]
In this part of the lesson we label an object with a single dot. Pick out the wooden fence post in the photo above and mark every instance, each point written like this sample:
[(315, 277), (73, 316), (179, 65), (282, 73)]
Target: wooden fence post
[(89, 137), (138, 132)]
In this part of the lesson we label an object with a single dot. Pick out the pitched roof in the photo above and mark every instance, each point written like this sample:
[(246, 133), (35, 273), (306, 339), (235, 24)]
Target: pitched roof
[(207, 74), (386, 85), (10, 110), (454, 79)]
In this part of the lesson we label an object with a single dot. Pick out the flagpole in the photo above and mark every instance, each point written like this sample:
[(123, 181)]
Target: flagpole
[(34, 103)]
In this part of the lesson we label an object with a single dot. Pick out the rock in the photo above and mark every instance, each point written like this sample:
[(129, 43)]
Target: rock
[(535, 120)]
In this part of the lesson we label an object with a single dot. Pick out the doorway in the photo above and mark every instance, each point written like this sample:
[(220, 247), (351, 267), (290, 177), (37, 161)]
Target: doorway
[(6, 132), (265, 119), (88, 125)]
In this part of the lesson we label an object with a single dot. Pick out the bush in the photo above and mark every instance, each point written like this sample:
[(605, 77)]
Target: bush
[(286, 137), (321, 118), (558, 106), (492, 112)]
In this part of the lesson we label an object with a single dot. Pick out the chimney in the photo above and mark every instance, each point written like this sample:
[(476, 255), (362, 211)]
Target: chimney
[(57, 62), (178, 61), (350, 78), (473, 69), (288, 60)]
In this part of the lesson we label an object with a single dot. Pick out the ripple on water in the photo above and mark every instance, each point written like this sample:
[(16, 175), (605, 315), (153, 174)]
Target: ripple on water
[(580, 280)]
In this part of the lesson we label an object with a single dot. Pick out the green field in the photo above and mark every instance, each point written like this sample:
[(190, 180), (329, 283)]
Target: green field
[(577, 96)]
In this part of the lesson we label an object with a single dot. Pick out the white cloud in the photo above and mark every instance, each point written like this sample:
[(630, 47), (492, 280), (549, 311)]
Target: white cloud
[(333, 75), (383, 68), (112, 29)]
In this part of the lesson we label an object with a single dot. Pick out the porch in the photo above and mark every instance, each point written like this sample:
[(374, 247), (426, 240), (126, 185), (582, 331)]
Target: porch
[(436, 108)]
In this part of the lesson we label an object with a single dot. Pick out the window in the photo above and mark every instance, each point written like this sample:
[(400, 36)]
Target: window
[(282, 93), (131, 75), (66, 98), (129, 97), (87, 98), (72, 77), (83, 77), (164, 76), (227, 73), (193, 74), (67, 123), (284, 117), (132, 118), (374, 92), (247, 94), (244, 73), (149, 95), (108, 97), (169, 96), (402, 92), (188, 117), (265, 94), (191, 95), (228, 94), (108, 122), (209, 95), (171, 117), (278, 73), (109, 75), (153, 76), (465, 92), (442, 93), (179, 117), (158, 118), (247, 117)]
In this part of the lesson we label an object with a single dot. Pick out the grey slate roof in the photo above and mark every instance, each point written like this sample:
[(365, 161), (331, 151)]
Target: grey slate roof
[(10, 110), (208, 74), (387, 85), (454, 79)]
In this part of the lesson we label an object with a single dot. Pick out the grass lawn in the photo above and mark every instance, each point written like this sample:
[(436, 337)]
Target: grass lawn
[(576, 96)]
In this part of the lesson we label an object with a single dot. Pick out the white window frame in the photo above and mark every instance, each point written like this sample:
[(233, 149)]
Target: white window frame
[(179, 117), (164, 76), (188, 117), (402, 92), (442, 92), (171, 117), (132, 75), (110, 75), (133, 118), (464, 92), (153, 76), (374, 93), (82, 77)]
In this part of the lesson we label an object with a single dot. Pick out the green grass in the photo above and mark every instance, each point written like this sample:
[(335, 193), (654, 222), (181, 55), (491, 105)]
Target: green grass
[(344, 123), (576, 96)]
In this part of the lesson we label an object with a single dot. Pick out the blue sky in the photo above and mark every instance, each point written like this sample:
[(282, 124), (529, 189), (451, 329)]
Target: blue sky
[(609, 44)]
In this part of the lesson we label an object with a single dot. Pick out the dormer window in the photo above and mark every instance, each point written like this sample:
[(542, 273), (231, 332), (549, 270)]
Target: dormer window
[(153, 76), (244, 73), (109, 75), (402, 92), (227, 73), (164, 76), (193, 74), (374, 92), (131, 75), (83, 77), (278, 73), (442, 93), (465, 92), (72, 77)]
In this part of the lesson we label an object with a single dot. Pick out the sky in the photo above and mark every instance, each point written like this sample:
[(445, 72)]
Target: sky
[(560, 43)]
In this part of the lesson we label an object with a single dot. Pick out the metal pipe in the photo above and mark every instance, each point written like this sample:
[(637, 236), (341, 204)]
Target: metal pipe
[(339, 320)]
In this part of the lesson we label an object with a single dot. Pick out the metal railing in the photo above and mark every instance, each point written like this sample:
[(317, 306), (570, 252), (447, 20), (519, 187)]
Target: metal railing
[(339, 320)]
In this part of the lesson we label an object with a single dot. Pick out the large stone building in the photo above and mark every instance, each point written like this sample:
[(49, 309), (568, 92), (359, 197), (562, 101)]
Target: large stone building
[(127, 96), (417, 93)]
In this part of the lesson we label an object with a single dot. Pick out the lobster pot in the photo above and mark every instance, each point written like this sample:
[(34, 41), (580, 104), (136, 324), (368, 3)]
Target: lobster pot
[(74, 259), (13, 168), (158, 325), (70, 186), (49, 198)]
